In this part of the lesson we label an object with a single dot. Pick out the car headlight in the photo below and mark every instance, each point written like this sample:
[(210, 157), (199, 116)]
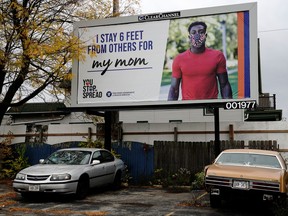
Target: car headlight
[(20, 176), (60, 177)]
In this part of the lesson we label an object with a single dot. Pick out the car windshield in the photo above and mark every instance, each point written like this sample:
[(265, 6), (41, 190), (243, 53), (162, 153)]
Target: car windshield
[(249, 159), (70, 157)]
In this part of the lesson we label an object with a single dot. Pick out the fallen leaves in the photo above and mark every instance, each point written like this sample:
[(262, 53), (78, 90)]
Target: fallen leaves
[(5, 199), (55, 212), (199, 201)]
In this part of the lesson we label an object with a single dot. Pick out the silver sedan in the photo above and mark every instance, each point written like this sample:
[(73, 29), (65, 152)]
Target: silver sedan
[(71, 171)]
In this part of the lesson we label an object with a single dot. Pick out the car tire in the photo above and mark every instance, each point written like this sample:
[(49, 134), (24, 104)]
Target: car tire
[(215, 201), (26, 195), (117, 181), (82, 188), (282, 201)]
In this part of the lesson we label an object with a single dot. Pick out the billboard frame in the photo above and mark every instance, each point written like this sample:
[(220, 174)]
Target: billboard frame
[(253, 58)]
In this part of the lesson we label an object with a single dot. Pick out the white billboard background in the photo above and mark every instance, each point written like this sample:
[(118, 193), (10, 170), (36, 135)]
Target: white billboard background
[(127, 65)]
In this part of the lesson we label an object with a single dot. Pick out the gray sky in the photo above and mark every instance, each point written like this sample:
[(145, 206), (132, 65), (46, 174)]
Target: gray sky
[(272, 32)]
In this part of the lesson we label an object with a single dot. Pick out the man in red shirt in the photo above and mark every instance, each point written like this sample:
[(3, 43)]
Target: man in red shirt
[(198, 69)]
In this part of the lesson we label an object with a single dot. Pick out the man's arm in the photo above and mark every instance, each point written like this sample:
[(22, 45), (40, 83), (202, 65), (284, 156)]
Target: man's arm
[(174, 89), (225, 87)]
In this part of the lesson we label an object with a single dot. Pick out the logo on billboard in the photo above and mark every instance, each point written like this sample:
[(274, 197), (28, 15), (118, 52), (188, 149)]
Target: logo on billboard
[(120, 94), (109, 94), (159, 16), (90, 90)]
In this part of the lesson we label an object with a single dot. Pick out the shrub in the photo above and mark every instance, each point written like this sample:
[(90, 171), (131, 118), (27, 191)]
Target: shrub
[(181, 178), (92, 144), (198, 182), (16, 163), (97, 144), (158, 177)]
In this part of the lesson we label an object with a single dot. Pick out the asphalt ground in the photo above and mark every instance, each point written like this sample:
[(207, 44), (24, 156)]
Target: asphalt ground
[(132, 200), (126, 201)]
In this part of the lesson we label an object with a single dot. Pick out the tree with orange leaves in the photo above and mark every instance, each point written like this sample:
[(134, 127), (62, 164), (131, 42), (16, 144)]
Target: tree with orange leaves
[(37, 45)]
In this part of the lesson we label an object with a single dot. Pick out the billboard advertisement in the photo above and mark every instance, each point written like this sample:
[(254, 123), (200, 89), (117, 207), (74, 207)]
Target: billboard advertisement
[(184, 57)]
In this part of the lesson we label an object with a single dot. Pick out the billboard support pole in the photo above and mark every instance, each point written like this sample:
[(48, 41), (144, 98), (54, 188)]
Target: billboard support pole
[(108, 114), (217, 132), (108, 123)]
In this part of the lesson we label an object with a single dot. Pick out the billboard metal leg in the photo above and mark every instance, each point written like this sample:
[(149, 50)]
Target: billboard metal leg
[(217, 132), (108, 128)]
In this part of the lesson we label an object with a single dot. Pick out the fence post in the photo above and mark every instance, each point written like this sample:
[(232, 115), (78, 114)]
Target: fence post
[(175, 134)]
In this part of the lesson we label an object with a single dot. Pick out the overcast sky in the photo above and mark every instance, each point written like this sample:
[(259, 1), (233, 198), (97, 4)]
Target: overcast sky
[(272, 31)]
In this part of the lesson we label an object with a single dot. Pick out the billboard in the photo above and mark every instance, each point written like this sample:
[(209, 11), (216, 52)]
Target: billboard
[(161, 59)]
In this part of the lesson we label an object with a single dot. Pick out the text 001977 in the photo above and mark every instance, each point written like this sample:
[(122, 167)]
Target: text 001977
[(240, 105)]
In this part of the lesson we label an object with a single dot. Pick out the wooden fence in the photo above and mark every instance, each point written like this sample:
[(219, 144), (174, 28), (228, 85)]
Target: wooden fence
[(264, 144), (194, 156)]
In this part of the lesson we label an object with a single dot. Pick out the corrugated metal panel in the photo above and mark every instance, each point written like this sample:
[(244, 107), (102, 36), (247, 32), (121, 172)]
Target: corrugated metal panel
[(139, 159), (36, 151), (137, 156)]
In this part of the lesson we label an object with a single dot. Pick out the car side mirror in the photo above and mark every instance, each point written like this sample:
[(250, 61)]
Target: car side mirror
[(41, 161), (95, 162)]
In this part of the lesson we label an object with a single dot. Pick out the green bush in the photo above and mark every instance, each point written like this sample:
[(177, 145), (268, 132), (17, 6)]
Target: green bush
[(92, 144), (16, 163), (181, 178), (198, 182), (159, 177)]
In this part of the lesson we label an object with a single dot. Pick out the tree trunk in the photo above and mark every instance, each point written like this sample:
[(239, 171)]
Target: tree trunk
[(3, 109)]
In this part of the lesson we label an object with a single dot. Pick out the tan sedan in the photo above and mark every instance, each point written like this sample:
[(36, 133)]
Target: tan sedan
[(247, 172)]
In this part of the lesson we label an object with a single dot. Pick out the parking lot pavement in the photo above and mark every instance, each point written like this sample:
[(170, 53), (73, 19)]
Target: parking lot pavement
[(126, 201)]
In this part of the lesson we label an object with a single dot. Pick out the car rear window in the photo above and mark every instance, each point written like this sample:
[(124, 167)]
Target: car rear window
[(249, 159)]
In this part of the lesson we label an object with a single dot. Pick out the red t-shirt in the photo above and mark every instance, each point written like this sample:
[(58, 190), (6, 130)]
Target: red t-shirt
[(198, 73)]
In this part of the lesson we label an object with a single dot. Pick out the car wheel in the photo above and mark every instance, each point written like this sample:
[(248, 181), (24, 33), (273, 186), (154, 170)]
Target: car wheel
[(215, 201), (117, 181), (26, 195), (282, 201), (82, 188)]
